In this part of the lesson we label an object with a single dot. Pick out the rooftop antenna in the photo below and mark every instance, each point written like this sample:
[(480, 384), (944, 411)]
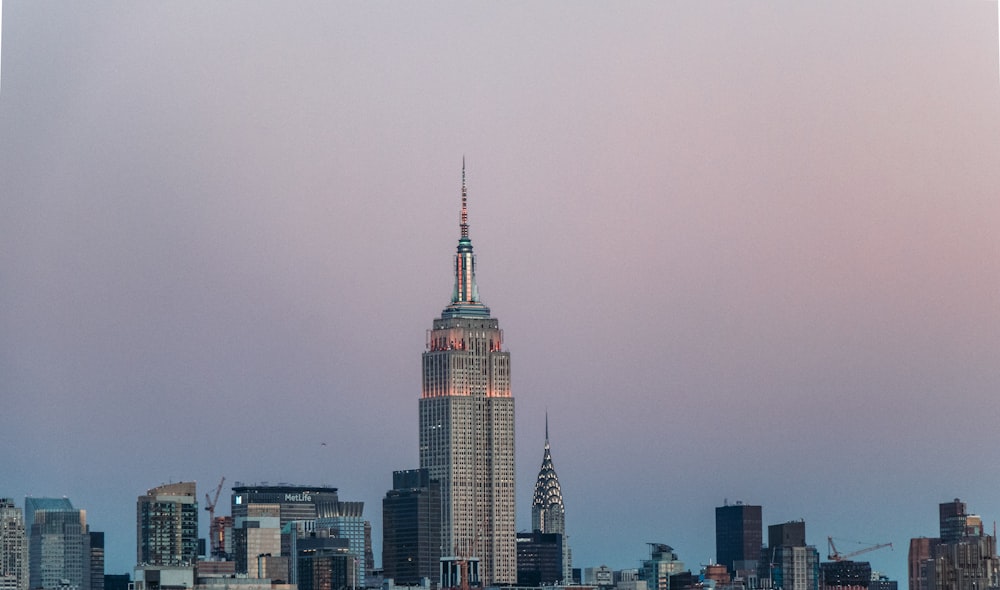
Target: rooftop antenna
[(465, 210)]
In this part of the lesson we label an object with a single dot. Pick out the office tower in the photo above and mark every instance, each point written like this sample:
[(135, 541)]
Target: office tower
[(13, 547), (548, 514), (738, 538), (467, 424), (167, 525), (325, 563), (788, 534), (956, 523), (296, 504), (260, 529), (539, 559), (411, 528), (117, 581), (793, 564), (661, 566), (963, 558), (348, 523), (58, 545), (918, 558), (96, 560)]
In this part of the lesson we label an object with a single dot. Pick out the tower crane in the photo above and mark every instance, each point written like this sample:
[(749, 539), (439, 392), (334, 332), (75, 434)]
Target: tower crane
[(213, 529), (835, 555)]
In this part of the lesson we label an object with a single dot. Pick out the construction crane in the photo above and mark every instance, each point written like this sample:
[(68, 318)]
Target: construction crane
[(835, 555), (213, 529)]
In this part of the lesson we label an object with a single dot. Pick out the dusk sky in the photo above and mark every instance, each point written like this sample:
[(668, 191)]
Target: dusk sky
[(739, 250)]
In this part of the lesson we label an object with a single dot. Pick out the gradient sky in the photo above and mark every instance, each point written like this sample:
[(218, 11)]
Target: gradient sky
[(741, 250)]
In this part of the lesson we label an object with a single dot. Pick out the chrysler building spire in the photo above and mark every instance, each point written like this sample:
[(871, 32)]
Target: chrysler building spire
[(547, 511), (548, 515)]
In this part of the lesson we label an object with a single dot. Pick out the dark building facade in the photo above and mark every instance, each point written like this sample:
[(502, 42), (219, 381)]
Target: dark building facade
[(325, 564), (539, 559), (411, 528), (296, 502), (96, 560), (845, 575), (788, 534), (739, 532), (117, 581), (790, 564)]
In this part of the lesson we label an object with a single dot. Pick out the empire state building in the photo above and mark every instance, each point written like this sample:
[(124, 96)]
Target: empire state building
[(467, 424)]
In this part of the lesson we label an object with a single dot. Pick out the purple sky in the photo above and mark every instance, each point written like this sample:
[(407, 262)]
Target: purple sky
[(739, 250)]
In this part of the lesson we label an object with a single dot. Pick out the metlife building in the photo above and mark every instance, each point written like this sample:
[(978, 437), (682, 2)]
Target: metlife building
[(296, 502), (298, 509)]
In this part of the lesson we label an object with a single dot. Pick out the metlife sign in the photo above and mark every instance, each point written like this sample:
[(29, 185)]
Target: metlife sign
[(298, 498)]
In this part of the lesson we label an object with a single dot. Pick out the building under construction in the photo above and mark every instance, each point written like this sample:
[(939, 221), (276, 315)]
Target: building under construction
[(845, 575)]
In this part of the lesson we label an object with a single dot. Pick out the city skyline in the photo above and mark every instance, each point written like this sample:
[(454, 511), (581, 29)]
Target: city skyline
[(738, 251)]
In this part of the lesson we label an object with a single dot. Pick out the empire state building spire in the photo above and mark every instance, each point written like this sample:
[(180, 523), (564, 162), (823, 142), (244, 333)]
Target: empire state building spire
[(465, 296)]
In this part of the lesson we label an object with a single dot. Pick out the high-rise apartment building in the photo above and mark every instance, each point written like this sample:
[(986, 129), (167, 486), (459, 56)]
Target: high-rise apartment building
[(13, 547), (739, 533), (467, 424), (411, 528), (58, 545), (548, 514), (793, 565), (661, 566), (167, 525)]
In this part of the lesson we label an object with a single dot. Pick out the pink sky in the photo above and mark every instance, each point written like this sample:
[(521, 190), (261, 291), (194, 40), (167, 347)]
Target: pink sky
[(739, 250)]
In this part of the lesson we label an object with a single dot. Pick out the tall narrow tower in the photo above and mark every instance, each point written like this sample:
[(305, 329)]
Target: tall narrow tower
[(548, 514), (467, 424)]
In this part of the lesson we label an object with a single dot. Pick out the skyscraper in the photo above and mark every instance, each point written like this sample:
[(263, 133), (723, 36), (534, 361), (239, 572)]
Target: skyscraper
[(793, 565), (13, 547), (58, 544), (166, 537), (963, 558), (296, 503), (548, 514), (738, 538), (411, 528), (467, 424), (167, 525)]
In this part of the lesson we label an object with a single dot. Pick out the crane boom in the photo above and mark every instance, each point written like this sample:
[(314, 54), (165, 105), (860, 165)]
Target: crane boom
[(835, 555), (214, 533)]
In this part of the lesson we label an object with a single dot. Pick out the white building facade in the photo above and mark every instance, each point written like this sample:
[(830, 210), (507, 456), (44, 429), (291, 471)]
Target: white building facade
[(467, 425)]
